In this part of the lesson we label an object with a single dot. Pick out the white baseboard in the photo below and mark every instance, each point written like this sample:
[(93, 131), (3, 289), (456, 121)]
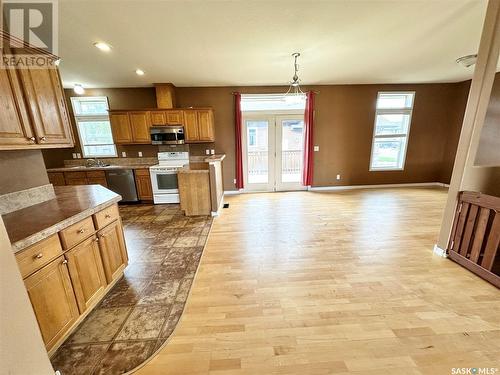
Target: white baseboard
[(232, 192), (440, 252), (381, 186)]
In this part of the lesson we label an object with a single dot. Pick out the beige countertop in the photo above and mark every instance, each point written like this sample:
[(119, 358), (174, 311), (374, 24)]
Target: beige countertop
[(110, 167), (207, 159), (71, 204)]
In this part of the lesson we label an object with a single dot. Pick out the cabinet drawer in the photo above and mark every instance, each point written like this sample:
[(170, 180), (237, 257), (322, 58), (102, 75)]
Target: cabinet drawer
[(75, 175), (97, 181), (38, 255), (77, 181), (142, 172), (96, 174), (77, 232), (106, 216)]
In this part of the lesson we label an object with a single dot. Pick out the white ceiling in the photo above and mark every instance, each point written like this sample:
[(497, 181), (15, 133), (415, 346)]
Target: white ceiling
[(229, 43)]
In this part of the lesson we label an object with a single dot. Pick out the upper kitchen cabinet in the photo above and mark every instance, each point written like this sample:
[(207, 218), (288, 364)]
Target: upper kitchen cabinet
[(171, 117), (140, 123), (45, 97), (33, 111), (199, 125), (15, 129), (130, 127)]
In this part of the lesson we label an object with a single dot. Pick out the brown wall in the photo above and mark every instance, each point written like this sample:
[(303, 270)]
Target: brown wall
[(343, 129), (21, 170), (344, 121)]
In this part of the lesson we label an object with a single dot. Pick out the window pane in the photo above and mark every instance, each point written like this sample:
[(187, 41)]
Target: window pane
[(257, 151), (392, 124), (90, 106), (394, 101), (388, 153), (106, 150), (292, 143), (95, 132)]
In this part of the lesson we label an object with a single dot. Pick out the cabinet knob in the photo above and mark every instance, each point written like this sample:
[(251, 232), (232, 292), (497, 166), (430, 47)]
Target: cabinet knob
[(39, 256), (81, 230), (64, 261), (107, 216), (43, 139), (96, 239), (32, 139)]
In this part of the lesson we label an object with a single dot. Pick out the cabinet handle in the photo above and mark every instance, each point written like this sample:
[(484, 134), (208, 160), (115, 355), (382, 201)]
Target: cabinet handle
[(81, 230), (38, 256), (107, 216), (32, 139), (96, 239), (65, 261), (43, 139)]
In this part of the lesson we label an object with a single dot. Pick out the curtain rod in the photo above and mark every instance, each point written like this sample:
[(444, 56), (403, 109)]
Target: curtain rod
[(270, 93)]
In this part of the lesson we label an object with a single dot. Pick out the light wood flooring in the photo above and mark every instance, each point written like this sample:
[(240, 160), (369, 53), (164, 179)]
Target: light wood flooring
[(322, 283)]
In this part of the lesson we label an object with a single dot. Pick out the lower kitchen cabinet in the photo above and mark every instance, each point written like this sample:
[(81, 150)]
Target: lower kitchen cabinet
[(53, 300), (143, 184), (68, 273), (56, 178), (87, 273), (113, 250)]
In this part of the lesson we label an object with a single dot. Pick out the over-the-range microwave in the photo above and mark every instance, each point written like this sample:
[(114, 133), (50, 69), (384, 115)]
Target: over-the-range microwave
[(167, 135)]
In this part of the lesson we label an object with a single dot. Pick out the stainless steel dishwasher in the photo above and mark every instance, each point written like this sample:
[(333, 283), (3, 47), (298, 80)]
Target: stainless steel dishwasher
[(122, 182)]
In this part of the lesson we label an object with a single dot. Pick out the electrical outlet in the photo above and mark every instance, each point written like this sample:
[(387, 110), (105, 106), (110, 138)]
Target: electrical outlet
[(124, 154), (338, 177), (207, 152), (212, 151), (316, 148), (78, 155), (140, 154), (74, 155)]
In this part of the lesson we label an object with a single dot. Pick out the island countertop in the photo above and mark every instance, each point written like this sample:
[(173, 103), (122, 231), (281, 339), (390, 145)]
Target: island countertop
[(71, 204)]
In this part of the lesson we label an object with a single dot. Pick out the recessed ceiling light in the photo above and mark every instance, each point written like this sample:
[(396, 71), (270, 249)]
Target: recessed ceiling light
[(78, 89), (467, 61), (105, 47), (139, 72)]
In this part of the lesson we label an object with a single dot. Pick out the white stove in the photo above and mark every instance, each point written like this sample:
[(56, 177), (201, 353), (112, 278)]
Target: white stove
[(164, 176)]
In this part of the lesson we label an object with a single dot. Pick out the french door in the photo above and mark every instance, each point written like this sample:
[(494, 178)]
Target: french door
[(273, 150)]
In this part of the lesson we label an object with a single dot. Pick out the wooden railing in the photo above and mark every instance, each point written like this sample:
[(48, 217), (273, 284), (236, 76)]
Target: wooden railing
[(475, 237), (258, 162)]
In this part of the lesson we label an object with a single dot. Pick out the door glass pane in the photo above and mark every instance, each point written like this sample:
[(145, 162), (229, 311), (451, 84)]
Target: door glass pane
[(389, 124), (395, 100), (167, 181), (257, 151), (388, 153), (292, 145)]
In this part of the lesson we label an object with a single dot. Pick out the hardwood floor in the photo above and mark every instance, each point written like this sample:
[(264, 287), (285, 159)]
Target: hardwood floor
[(321, 283)]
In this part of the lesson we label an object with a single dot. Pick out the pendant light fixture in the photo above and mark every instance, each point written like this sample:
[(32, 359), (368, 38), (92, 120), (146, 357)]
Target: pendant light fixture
[(294, 95)]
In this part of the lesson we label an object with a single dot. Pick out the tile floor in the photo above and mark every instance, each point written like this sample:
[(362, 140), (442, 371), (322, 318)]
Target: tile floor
[(141, 311)]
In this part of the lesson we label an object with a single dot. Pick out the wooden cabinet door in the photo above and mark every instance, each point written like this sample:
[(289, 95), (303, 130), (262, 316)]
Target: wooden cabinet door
[(205, 125), (140, 123), (87, 273), (56, 178), (47, 104), (53, 300), (158, 118), (113, 250), (174, 117), (15, 129), (191, 126), (143, 184), (120, 127)]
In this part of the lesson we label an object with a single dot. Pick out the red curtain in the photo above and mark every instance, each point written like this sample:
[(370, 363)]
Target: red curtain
[(307, 173), (237, 132)]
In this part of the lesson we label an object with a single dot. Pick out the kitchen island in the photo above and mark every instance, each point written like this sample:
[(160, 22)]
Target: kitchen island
[(70, 251)]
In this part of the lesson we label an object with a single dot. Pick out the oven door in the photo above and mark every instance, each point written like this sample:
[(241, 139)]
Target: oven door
[(164, 182)]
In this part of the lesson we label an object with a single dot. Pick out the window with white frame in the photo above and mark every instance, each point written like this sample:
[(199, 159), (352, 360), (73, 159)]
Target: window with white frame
[(391, 130), (94, 128)]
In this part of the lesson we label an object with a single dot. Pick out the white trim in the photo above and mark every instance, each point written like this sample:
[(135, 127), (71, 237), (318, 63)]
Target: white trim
[(381, 186), (232, 192), (440, 252)]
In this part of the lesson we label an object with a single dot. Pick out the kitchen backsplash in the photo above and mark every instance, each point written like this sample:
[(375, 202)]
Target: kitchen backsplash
[(114, 161)]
